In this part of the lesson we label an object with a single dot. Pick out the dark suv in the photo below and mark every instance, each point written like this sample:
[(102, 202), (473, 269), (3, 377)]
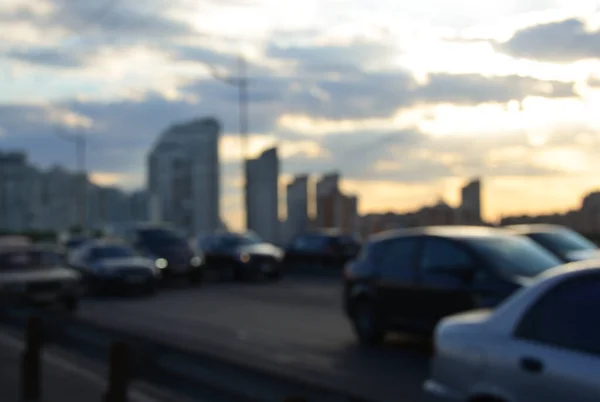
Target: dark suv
[(410, 279), (171, 252), (327, 248)]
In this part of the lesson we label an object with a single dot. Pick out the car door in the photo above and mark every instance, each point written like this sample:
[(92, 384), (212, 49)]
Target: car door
[(445, 276), (395, 277), (555, 354)]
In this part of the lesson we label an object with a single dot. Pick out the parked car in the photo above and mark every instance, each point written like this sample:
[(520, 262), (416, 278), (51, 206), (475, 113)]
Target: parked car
[(70, 244), (327, 248), (407, 280), (171, 252), (561, 241), (542, 344), (244, 254), (110, 266), (36, 275)]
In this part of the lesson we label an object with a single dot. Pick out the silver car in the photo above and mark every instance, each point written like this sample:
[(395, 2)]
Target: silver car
[(542, 344), (37, 275)]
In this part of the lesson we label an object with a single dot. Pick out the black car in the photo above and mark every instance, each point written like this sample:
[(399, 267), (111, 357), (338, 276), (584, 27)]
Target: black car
[(327, 248), (170, 251), (110, 266), (408, 280), (245, 255), (561, 241)]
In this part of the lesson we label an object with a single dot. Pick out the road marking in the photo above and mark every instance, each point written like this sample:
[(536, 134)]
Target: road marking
[(67, 366)]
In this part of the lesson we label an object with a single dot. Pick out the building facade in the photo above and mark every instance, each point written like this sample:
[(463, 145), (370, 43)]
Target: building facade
[(297, 193), (262, 195), (184, 176), (335, 210), (469, 212)]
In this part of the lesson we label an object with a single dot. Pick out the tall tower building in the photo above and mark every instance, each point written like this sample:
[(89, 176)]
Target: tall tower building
[(297, 206), (471, 202), (262, 195), (184, 174)]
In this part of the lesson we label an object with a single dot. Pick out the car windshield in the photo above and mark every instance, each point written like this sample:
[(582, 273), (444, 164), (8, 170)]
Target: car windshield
[(73, 243), (28, 259), (514, 255), (563, 241), (311, 243), (161, 237), (233, 241), (101, 253)]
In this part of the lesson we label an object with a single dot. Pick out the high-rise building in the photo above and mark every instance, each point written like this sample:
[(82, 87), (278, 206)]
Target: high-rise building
[(297, 206), (183, 176), (139, 206), (262, 195), (16, 203), (470, 207), (327, 201), (335, 210)]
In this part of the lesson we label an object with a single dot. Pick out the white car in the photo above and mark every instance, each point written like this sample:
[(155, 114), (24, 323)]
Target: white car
[(541, 344), (36, 275)]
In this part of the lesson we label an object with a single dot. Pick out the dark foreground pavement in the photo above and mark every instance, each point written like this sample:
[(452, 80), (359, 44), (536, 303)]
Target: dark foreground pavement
[(65, 377)]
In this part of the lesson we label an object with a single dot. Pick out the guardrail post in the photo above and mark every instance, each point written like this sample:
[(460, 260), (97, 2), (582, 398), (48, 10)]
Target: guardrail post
[(31, 375), (119, 372)]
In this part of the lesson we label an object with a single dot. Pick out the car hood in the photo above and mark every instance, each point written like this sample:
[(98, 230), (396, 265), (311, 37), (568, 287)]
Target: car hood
[(265, 249), (126, 262), (41, 274), (581, 255)]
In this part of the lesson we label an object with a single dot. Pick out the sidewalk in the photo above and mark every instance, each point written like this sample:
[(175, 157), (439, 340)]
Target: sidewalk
[(65, 378)]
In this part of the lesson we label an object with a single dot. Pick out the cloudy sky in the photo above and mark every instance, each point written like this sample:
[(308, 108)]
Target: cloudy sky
[(406, 99)]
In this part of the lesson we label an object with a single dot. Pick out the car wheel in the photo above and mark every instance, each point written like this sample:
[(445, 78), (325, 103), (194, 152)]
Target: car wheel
[(274, 276), (196, 276), (150, 288), (238, 274), (71, 304), (367, 323)]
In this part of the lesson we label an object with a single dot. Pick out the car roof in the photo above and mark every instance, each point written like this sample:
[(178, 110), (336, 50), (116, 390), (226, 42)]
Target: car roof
[(507, 314), (442, 231), (106, 242), (27, 247), (571, 269), (535, 228), (14, 240)]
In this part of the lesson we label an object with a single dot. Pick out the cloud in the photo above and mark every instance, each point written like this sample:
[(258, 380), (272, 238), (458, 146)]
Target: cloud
[(472, 89), (564, 41), (49, 57), (345, 57)]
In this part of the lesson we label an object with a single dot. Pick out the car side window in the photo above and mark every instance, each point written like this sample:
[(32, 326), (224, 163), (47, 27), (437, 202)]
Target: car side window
[(566, 317), (443, 254), (397, 258)]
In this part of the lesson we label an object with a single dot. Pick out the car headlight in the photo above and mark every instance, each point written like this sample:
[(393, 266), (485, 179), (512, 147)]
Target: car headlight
[(196, 261), (161, 263), (244, 257)]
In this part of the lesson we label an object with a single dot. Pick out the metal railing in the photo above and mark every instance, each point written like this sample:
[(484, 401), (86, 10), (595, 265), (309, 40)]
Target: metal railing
[(131, 357)]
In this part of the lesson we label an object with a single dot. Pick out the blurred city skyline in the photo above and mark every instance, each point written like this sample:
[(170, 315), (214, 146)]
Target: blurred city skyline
[(406, 104)]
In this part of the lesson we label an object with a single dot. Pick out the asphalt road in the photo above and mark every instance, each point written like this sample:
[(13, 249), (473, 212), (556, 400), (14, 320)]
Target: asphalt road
[(295, 325)]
